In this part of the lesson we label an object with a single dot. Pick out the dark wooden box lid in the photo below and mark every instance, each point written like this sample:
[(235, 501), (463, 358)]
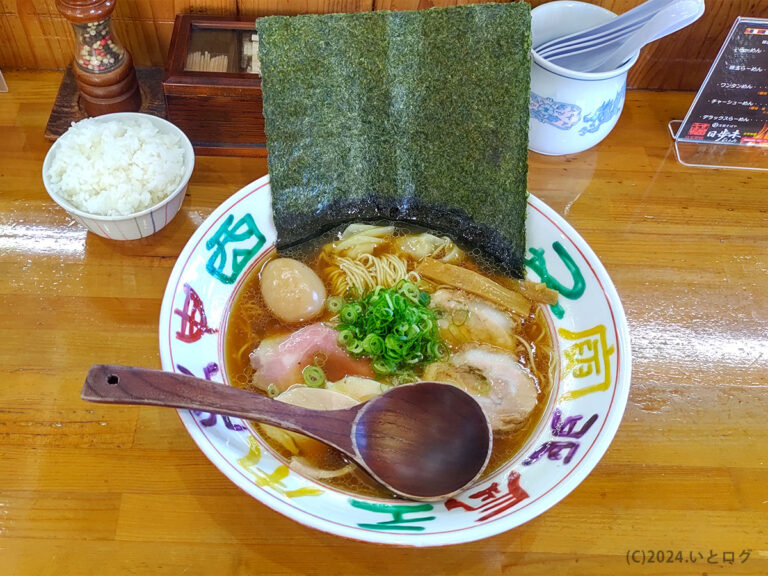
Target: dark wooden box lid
[(178, 80)]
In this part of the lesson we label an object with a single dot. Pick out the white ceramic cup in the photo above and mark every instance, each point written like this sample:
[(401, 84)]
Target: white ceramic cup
[(140, 224), (571, 111)]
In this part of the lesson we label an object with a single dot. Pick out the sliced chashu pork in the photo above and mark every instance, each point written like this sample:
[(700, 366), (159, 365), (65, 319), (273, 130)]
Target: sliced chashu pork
[(469, 319), (279, 360), (503, 387)]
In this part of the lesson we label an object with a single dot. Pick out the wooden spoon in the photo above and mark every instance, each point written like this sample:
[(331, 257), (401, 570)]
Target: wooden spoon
[(424, 441)]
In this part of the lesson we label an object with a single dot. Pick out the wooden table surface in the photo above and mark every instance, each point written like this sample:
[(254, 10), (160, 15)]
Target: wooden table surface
[(88, 489)]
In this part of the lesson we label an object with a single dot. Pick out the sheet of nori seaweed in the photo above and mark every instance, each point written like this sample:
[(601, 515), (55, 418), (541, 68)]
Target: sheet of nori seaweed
[(415, 116)]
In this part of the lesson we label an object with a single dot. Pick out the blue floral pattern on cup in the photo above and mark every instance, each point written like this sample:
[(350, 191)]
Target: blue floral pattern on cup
[(605, 112), (558, 114)]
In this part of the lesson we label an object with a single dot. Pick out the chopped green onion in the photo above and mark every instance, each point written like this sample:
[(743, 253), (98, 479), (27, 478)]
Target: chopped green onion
[(410, 291), (459, 317), (334, 304), (394, 328), (356, 347), (346, 337), (382, 367), (373, 345), (319, 359), (349, 313), (272, 390), (314, 377), (484, 388), (438, 350)]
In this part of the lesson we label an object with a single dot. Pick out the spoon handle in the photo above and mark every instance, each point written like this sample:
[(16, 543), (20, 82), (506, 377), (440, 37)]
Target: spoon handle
[(674, 17), (112, 384), (638, 14)]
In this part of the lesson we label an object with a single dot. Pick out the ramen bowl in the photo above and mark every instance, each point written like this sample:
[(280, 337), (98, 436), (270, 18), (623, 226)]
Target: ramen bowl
[(581, 417)]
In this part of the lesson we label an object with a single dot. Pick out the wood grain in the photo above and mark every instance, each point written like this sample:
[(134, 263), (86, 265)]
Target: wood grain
[(251, 9), (84, 486), (67, 107), (34, 35), (116, 384)]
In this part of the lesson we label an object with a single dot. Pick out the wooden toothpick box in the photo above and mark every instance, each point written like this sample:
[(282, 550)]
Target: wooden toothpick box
[(212, 85)]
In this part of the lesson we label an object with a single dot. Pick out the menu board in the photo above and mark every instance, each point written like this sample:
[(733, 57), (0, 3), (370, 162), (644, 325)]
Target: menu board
[(732, 104)]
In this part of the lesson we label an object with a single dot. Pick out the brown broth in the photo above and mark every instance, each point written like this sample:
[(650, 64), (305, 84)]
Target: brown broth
[(250, 322)]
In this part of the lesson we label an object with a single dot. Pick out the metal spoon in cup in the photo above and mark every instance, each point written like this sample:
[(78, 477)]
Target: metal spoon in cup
[(667, 21), (606, 56), (423, 441), (622, 24)]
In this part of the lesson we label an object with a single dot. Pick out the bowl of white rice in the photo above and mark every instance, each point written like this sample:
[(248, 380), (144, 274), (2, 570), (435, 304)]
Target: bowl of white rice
[(122, 176)]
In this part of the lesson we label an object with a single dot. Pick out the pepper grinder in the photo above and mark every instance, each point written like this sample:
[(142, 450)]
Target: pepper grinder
[(103, 68)]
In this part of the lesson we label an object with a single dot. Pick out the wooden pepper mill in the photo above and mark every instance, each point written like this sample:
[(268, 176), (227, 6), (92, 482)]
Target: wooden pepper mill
[(102, 67)]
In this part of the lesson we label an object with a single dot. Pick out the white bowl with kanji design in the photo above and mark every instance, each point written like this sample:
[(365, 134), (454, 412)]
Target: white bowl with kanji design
[(582, 416)]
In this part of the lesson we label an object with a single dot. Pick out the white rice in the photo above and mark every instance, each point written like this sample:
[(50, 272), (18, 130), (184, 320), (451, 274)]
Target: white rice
[(116, 167)]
